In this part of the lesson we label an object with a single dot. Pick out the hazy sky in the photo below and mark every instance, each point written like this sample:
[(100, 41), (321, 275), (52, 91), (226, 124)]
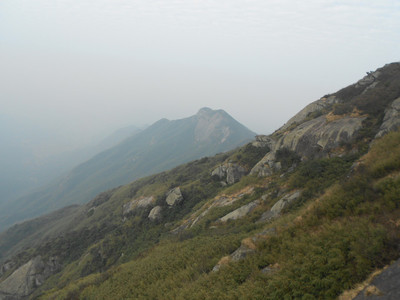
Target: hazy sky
[(87, 66)]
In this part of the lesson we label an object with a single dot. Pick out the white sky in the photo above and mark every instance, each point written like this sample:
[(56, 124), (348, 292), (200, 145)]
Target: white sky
[(81, 67)]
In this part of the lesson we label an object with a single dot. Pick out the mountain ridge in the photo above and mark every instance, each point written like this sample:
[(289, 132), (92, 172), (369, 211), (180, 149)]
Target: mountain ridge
[(306, 212), (159, 147)]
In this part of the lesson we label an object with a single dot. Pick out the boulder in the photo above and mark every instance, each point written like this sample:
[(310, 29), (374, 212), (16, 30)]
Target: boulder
[(240, 212), (241, 253), (391, 120), (263, 141), (155, 213), (174, 196), (285, 202), (229, 172), (23, 281), (137, 203)]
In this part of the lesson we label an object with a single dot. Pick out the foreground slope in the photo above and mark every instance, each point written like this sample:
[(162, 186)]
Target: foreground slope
[(161, 146), (306, 212)]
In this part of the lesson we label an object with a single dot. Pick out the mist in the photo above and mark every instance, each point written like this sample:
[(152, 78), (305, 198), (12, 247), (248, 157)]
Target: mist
[(74, 71)]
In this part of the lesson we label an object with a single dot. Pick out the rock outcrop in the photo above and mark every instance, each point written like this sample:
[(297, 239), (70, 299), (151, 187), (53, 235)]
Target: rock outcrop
[(313, 107), (8, 265), (219, 201), (240, 212), (174, 197), (384, 286), (247, 247), (137, 203), (23, 281), (314, 138), (229, 172), (155, 213), (263, 141), (391, 120), (367, 80), (285, 202)]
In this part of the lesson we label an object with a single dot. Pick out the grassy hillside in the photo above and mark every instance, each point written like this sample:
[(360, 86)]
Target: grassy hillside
[(312, 255)]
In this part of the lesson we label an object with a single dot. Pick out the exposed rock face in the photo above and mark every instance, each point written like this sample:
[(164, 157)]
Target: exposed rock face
[(23, 281), (310, 108), (137, 203), (314, 138), (155, 213), (318, 135), (174, 196), (266, 166), (279, 206), (241, 253), (368, 80), (391, 121), (384, 286), (247, 247), (8, 265), (263, 141), (229, 172), (219, 201), (240, 212), (211, 123)]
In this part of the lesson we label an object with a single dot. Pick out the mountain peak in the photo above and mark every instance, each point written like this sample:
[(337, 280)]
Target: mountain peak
[(206, 111)]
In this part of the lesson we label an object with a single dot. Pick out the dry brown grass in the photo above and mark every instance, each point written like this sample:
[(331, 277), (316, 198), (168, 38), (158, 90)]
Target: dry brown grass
[(248, 242), (370, 289)]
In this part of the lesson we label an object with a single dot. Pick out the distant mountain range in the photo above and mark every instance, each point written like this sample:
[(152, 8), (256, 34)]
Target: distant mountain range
[(159, 147), (30, 158)]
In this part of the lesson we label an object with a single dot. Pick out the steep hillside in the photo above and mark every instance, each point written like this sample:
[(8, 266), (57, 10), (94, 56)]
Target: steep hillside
[(159, 147), (307, 212)]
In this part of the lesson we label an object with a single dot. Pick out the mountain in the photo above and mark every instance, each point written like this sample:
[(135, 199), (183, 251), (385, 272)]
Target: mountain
[(159, 147), (31, 158), (307, 212)]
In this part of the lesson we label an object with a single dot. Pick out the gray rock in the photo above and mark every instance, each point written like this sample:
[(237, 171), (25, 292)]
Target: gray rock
[(216, 268), (240, 212), (310, 108), (263, 141), (318, 136), (229, 172), (23, 281), (241, 253), (219, 171), (391, 120), (137, 203), (266, 166), (174, 196), (155, 213), (368, 80), (285, 202), (269, 270), (384, 286), (8, 265), (313, 138)]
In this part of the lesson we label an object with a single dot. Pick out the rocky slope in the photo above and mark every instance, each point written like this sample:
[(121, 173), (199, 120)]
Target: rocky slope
[(306, 212), (161, 146)]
